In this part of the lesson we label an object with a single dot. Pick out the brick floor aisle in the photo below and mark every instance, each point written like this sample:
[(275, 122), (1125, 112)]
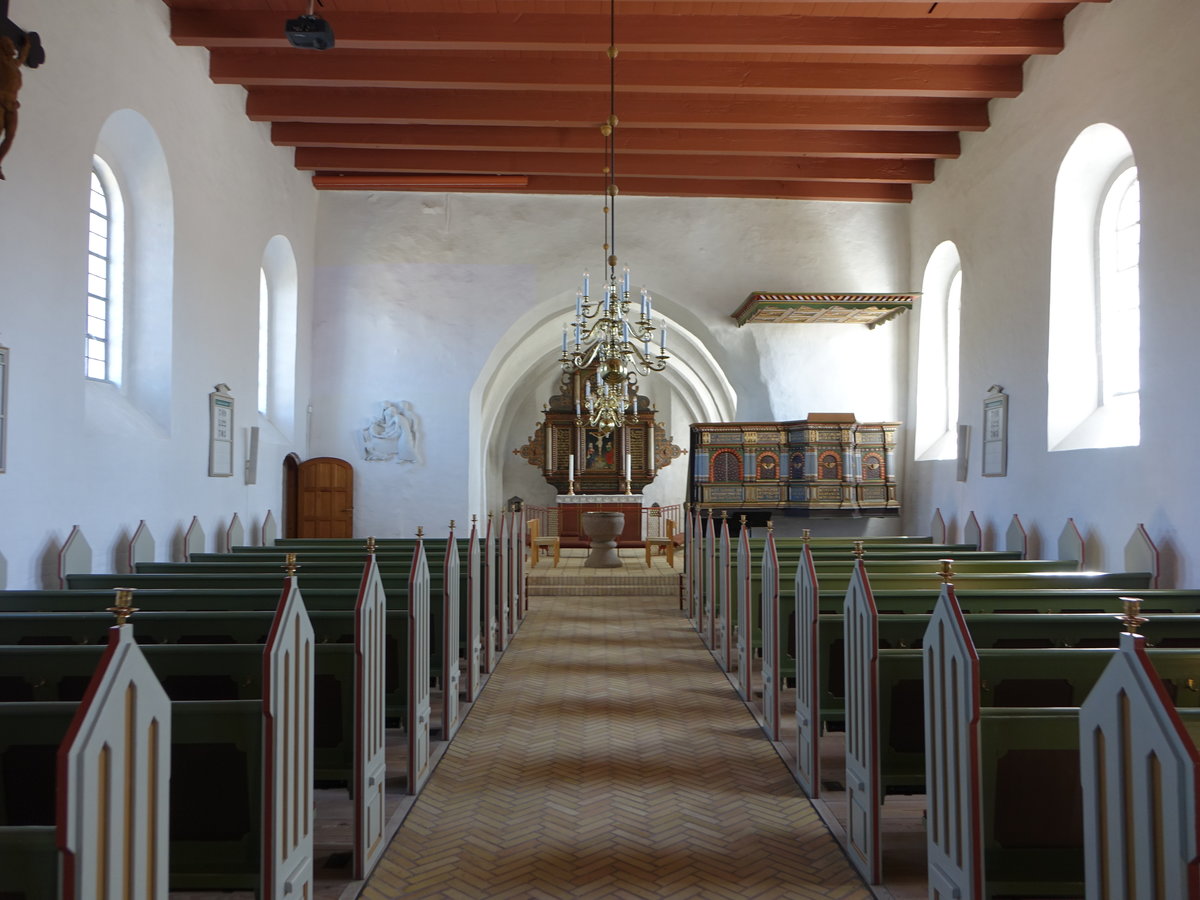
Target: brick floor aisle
[(609, 758)]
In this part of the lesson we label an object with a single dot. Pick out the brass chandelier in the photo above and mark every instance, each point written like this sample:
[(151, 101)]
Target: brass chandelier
[(603, 335)]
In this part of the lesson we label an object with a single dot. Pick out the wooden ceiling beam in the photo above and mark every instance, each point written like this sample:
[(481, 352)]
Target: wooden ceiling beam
[(653, 187), (755, 168), (836, 144), (652, 33), (424, 70), (347, 106)]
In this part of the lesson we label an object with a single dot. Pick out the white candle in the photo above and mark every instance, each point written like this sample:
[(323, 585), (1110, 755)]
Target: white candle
[(628, 467), (571, 461), (625, 281), (578, 304), (564, 341), (586, 279)]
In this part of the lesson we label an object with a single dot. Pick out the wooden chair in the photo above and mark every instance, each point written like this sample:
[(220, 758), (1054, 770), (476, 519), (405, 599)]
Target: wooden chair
[(664, 544), (549, 544)]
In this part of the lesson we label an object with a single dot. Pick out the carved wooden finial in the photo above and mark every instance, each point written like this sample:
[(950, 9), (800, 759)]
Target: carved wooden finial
[(123, 606), (490, 514), (290, 565), (452, 526), (743, 520), (770, 526), (474, 519), (946, 572), (806, 535), (371, 546), (724, 514), (420, 532), (859, 550), (1132, 618)]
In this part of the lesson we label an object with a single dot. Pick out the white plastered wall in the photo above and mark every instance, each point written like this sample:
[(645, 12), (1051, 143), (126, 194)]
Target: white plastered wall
[(1131, 64), (232, 192), (455, 303)]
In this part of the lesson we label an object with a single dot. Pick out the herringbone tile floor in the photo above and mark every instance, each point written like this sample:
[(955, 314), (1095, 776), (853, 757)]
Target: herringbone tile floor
[(609, 758)]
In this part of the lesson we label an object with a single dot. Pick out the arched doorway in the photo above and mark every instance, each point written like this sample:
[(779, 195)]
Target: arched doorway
[(321, 503)]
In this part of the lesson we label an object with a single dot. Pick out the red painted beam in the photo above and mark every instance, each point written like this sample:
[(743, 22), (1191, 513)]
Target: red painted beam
[(656, 33), (427, 70), (632, 166), (836, 144), (386, 182), (346, 105), (665, 187)]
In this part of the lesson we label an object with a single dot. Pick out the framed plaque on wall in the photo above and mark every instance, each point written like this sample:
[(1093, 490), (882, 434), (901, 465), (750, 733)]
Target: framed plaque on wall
[(995, 432), (220, 432)]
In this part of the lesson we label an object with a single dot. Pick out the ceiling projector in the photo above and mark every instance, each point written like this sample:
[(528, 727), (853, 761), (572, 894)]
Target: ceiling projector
[(309, 32)]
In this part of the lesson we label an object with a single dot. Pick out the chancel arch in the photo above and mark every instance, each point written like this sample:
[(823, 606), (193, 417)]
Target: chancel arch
[(524, 370)]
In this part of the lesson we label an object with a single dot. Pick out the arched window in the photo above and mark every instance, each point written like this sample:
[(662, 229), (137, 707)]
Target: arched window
[(1118, 252), (938, 355), (264, 339), (130, 332), (106, 228), (1093, 358), (278, 301)]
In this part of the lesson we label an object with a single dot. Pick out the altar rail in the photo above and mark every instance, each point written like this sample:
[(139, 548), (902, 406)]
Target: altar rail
[(654, 519)]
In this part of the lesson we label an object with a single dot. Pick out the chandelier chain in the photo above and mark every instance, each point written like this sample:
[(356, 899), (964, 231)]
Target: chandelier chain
[(605, 337)]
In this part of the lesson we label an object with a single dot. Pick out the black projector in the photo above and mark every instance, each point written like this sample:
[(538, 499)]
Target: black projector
[(309, 33)]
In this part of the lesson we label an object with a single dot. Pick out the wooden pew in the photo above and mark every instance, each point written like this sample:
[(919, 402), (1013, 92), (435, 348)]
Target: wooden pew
[(1139, 769), (784, 622), (253, 759), (1005, 810), (745, 622), (332, 575), (478, 585), (64, 768), (883, 693), (724, 619)]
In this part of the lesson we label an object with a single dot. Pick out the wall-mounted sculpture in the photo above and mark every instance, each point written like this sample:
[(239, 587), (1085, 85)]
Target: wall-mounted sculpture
[(392, 435)]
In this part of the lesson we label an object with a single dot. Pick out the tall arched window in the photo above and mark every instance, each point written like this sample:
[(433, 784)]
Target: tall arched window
[(1094, 358), (938, 355), (131, 334), (1118, 246), (278, 302), (106, 228), (264, 339)]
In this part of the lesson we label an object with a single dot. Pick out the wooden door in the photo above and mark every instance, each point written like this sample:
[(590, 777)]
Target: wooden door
[(325, 505)]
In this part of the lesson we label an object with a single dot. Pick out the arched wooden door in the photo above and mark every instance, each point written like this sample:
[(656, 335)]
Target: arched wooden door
[(325, 498)]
